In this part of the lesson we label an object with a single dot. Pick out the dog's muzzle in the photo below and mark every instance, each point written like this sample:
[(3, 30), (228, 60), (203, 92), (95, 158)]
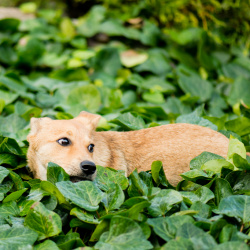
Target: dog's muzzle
[(88, 172), (88, 167)]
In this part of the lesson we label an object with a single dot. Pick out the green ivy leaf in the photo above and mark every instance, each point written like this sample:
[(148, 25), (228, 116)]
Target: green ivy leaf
[(9, 24), (202, 194), (14, 196), (7, 97), (190, 82), (235, 147), (239, 92), (199, 160), (155, 97), (222, 190), (216, 165), (107, 60), (31, 52), (123, 232), (52, 189), (204, 210), (232, 245), (199, 238), (134, 200), (56, 174), (24, 206), (157, 84), (99, 230), (69, 241), (138, 186), (3, 173), (85, 97), (133, 212), (16, 237), (113, 198), (6, 186), (47, 244), (166, 227), (84, 216), (240, 162), (67, 28), (46, 223), (240, 126), (163, 202), (106, 178), (195, 118), (83, 194), (91, 24), (12, 84), (195, 174), (157, 62), (9, 209), (129, 121), (235, 206), (9, 145), (8, 159), (178, 244)]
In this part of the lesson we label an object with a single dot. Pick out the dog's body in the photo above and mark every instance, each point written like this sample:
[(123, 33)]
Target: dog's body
[(175, 145)]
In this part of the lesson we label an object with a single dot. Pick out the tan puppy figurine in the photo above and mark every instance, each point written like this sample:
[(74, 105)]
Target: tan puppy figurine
[(78, 148)]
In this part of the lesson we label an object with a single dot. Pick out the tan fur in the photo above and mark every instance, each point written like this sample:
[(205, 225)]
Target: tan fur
[(175, 145)]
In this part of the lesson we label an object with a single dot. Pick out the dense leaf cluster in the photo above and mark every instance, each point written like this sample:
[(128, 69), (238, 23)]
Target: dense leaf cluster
[(209, 209), (137, 74), (226, 20)]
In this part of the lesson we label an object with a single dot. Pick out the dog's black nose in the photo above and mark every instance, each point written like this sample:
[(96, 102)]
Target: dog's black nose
[(88, 167)]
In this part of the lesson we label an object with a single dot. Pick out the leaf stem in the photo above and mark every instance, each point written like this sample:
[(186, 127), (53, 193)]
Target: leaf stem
[(98, 215)]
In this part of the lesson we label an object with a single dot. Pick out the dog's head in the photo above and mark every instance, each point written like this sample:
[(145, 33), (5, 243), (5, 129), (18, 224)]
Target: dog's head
[(68, 143)]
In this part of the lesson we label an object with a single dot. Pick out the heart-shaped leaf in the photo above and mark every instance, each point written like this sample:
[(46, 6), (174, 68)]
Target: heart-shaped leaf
[(16, 237), (83, 194), (123, 232), (106, 178), (166, 227), (163, 202), (235, 206), (43, 221), (56, 174), (114, 198)]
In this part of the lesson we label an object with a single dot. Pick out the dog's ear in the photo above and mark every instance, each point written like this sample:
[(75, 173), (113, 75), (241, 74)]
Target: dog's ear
[(35, 126), (89, 120)]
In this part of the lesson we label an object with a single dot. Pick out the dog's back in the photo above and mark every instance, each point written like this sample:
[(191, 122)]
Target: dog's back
[(175, 145)]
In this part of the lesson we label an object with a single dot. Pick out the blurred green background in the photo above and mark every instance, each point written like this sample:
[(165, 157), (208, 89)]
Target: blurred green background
[(229, 18), (137, 63)]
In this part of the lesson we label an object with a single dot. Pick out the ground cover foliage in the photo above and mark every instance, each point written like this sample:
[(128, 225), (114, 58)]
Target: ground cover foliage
[(136, 74)]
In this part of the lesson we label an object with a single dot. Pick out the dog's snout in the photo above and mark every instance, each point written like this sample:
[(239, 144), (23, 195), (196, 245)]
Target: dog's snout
[(88, 167)]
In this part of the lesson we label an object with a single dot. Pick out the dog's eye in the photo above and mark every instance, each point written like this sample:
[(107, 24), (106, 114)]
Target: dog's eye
[(64, 141), (91, 148)]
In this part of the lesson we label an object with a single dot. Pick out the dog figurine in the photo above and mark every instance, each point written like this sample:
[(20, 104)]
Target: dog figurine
[(78, 148)]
